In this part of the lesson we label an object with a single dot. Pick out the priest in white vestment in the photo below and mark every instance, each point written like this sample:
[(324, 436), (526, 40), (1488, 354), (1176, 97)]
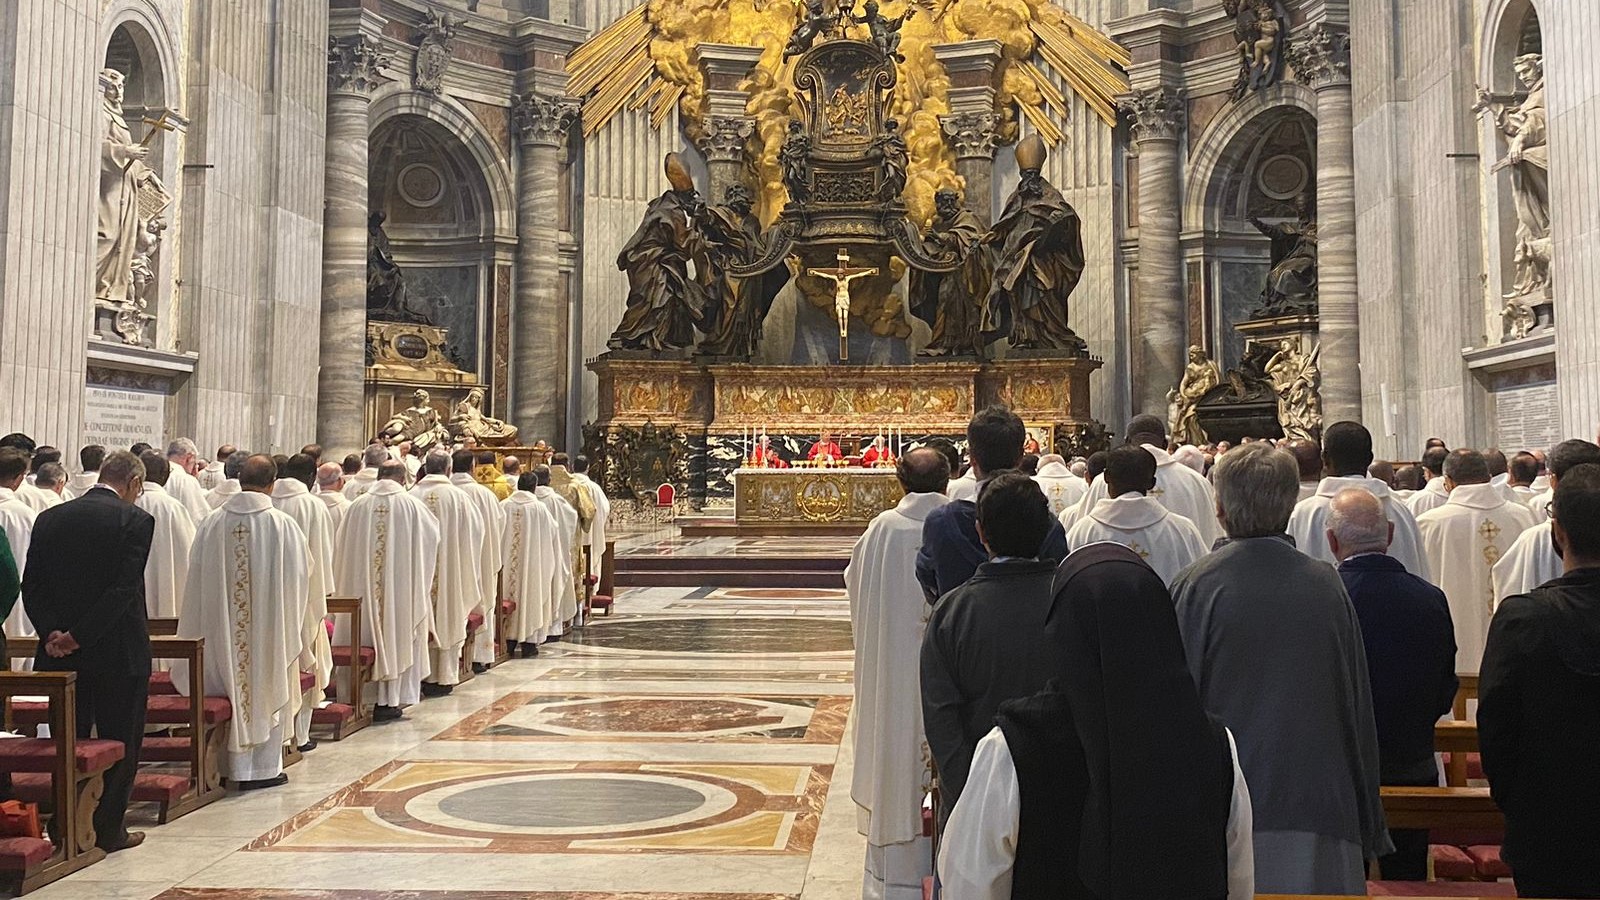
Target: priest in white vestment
[(564, 596), (230, 480), (963, 487), (1178, 487), (330, 490), (167, 568), (37, 498), (595, 538), (211, 475), (1463, 539), (385, 554), (458, 571), (181, 484), (246, 595), (89, 458), (1434, 493), (1166, 541), (888, 616), (371, 459), (1062, 488), (16, 519), (462, 463), (292, 496), (1532, 559), (531, 550), (1346, 456)]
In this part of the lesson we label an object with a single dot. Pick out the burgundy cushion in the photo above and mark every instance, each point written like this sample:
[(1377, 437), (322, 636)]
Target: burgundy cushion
[(927, 888), (332, 714), (308, 680), (157, 787), (30, 712), (602, 601), (164, 749), (174, 710), (1487, 858), (341, 656), (1475, 766), (39, 755), (474, 621), (18, 854), (161, 683), (1452, 862)]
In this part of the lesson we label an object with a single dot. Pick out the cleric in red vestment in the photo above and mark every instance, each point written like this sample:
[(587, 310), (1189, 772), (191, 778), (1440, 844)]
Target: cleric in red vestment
[(879, 452), (764, 457), (825, 449)]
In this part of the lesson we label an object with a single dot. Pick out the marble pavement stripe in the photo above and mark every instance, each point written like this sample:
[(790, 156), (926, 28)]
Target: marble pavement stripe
[(306, 894), (634, 717)]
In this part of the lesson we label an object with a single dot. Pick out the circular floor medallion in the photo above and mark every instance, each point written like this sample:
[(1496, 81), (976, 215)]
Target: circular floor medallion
[(571, 804)]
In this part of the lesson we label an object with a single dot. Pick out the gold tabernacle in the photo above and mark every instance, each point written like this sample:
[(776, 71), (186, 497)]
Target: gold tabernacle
[(813, 496)]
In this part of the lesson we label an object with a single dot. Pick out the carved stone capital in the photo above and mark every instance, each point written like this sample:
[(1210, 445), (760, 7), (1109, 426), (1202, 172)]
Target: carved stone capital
[(1321, 56), (1158, 113), (972, 134), (726, 137), (355, 63), (542, 119)]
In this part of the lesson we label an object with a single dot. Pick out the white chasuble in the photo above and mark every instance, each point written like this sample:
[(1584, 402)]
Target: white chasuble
[(456, 576), (1165, 540), (167, 569), (16, 519), (36, 498), (246, 596), (1309, 523), (490, 560), (210, 475), (385, 554), (295, 500), (1062, 488), (336, 503), (531, 550), (1178, 487), (1463, 539), (359, 483), (1432, 496), (564, 594), (220, 494), (187, 490), (888, 616), (1530, 562), (596, 538), (79, 484)]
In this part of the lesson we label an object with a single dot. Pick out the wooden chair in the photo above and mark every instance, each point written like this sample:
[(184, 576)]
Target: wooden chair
[(349, 714), (74, 771), (1460, 741), (1466, 690)]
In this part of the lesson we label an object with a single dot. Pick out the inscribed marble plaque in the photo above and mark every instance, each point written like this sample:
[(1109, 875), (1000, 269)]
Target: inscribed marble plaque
[(117, 418), (1527, 417)]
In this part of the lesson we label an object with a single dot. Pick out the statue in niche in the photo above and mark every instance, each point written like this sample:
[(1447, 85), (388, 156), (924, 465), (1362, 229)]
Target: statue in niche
[(949, 301), (1528, 159), (889, 148), (814, 22), (1297, 379), (1258, 31), (884, 30), (1291, 287), (386, 283), (129, 221), (419, 423), (664, 303), (1199, 377), (468, 420), (1037, 248), (731, 234), (795, 157)]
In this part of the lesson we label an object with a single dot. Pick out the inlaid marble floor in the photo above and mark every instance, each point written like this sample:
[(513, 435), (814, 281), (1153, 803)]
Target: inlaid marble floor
[(691, 745)]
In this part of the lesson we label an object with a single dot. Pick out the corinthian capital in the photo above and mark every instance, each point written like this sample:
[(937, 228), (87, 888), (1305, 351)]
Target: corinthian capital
[(1321, 56), (354, 63), (543, 119), (970, 133), (725, 138), (1158, 113)]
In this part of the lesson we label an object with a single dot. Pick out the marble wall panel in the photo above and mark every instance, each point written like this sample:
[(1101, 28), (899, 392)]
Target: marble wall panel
[(1241, 285), (449, 294)]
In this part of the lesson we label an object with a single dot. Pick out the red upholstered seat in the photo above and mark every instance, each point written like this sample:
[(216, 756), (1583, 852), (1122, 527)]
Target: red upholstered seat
[(159, 787), (601, 601), (308, 680), (1487, 859), (39, 755), (1452, 862), (30, 712), (341, 656), (174, 710), (474, 621), (1474, 765), (18, 854), (332, 714), (927, 822), (164, 749), (161, 683)]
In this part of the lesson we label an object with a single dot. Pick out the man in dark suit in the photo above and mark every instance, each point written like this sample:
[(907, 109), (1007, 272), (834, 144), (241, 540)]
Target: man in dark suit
[(1539, 707), (1411, 658), (990, 640), (83, 589), (951, 549)]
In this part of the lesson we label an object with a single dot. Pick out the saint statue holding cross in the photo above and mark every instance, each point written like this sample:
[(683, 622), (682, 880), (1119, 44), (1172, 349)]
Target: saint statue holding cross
[(132, 197), (841, 278)]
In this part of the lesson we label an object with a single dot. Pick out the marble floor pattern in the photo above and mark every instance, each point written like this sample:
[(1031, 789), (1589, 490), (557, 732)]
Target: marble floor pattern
[(692, 745)]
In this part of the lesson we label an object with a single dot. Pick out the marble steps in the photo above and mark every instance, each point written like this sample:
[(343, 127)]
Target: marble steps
[(732, 571)]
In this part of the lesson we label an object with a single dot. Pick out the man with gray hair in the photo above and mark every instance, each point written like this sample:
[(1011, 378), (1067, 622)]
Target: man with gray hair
[(1462, 540), (330, 490), (1276, 653), (231, 467), (51, 478), (374, 456), (1411, 657), (184, 457)]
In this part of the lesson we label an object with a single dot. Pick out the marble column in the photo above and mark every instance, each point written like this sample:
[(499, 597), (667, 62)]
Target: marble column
[(539, 325), (1321, 59), (970, 125), (1159, 317), (354, 67), (725, 67)]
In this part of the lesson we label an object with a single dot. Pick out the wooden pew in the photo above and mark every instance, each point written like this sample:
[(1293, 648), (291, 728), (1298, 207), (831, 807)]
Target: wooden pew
[(75, 772), (349, 714), (1443, 808), (1460, 740), (1466, 691), (201, 724)]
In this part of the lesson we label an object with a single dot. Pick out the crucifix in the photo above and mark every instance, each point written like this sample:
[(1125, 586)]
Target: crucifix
[(157, 126), (841, 278)]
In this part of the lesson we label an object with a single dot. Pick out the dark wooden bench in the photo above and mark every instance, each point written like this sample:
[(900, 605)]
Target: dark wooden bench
[(349, 713), (1466, 690), (73, 771)]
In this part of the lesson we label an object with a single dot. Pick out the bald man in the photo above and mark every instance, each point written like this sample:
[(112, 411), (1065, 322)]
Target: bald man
[(1411, 654), (330, 490)]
